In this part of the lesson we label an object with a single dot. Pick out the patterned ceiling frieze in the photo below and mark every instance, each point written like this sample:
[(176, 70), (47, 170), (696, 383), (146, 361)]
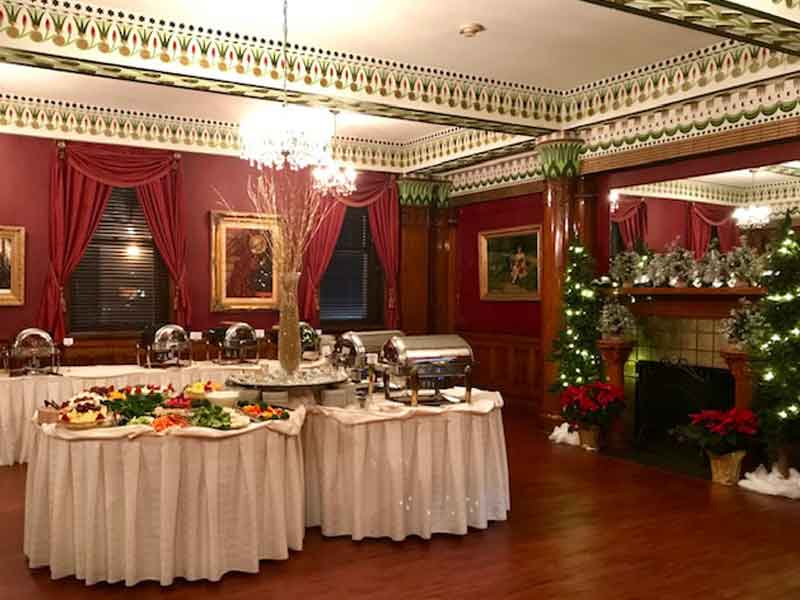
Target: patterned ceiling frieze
[(779, 196), (419, 192), (742, 107), (101, 40), (773, 25), (521, 168), (65, 120)]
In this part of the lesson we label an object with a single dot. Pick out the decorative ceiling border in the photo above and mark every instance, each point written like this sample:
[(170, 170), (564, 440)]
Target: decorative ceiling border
[(520, 168), (735, 20), (128, 46), (134, 46), (65, 120), (738, 108), (778, 196)]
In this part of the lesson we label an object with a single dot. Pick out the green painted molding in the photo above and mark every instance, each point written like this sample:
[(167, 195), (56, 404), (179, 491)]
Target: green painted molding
[(560, 156), (417, 192)]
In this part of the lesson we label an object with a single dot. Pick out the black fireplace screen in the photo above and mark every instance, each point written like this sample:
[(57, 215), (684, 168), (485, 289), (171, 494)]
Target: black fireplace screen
[(668, 392)]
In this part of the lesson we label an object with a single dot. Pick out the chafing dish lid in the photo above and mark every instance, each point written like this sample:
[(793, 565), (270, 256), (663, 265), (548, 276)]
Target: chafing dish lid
[(363, 342), (170, 337), (426, 348), (239, 334), (33, 342)]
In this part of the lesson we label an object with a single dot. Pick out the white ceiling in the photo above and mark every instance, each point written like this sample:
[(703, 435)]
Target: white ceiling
[(141, 97), (549, 43)]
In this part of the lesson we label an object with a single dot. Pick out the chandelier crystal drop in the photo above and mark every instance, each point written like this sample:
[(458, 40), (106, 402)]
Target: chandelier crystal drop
[(332, 178), (752, 217), (287, 136)]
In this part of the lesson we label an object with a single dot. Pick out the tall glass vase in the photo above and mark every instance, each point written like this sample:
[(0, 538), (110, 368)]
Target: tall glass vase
[(289, 350)]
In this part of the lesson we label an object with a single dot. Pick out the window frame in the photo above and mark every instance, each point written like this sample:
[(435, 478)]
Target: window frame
[(116, 333)]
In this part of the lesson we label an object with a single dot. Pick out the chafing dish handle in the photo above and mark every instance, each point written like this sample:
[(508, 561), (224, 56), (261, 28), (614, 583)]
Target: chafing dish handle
[(468, 384), (386, 380), (414, 380)]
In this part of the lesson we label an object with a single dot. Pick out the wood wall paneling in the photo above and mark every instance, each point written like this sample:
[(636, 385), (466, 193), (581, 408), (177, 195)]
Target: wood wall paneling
[(444, 291), (508, 364), (415, 245)]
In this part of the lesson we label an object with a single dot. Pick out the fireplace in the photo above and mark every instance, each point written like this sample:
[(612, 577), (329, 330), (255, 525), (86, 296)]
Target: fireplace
[(668, 391)]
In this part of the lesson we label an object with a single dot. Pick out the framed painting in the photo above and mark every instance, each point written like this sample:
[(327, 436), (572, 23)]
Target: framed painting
[(12, 266), (509, 267), (244, 270)]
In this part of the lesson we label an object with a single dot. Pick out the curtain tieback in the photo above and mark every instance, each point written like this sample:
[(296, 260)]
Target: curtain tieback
[(316, 299), (391, 300)]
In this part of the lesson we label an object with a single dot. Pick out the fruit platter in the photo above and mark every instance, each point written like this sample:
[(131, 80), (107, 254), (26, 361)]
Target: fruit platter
[(86, 410), (259, 413), (159, 408)]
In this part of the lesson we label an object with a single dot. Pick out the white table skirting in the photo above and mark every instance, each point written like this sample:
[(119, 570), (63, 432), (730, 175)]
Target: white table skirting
[(418, 472), (20, 397), (161, 507)]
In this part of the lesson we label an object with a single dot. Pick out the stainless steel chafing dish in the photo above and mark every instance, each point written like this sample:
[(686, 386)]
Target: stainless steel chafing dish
[(33, 353), (169, 346), (428, 362), (353, 348), (236, 343)]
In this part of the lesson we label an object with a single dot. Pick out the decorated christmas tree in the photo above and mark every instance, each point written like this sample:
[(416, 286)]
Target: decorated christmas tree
[(776, 360), (575, 348)]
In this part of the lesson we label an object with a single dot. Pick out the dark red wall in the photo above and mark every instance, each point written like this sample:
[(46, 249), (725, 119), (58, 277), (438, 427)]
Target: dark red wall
[(24, 200), (475, 315), (202, 173), (24, 172)]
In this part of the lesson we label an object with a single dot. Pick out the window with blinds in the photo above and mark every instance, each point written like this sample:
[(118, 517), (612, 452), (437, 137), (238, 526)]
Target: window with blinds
[(121, 283), (352, 287)]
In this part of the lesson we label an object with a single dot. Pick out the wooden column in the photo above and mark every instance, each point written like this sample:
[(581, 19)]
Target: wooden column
[(443, 272), (739, 364), (415, 245), (564, 217)]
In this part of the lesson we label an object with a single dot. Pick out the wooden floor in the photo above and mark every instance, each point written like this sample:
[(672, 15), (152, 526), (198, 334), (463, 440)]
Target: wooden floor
[(581, 526)]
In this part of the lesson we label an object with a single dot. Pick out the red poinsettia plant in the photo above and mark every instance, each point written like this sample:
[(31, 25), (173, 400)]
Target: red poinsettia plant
[(720, 432), (594, 404)]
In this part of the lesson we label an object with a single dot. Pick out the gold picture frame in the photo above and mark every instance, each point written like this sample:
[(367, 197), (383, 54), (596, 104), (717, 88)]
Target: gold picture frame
[(244, 270), (509, 264), (12, 266)]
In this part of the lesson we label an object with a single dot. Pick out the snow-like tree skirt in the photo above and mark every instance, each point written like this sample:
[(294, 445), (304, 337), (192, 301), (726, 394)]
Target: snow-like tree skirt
[(772, 483), (562, 435)]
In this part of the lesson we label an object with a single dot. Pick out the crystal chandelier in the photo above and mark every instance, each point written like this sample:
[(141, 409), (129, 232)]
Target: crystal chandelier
[(295, 137), (752, 217)]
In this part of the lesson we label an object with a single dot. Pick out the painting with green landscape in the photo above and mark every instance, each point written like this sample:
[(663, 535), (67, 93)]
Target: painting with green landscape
[(509, 263)]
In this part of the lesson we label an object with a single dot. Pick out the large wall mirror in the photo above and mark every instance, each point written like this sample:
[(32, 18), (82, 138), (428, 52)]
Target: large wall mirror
[(721, 210)]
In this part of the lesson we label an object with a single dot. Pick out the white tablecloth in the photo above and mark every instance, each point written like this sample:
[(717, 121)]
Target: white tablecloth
[(20, 397), (193, 504), (394, 471)]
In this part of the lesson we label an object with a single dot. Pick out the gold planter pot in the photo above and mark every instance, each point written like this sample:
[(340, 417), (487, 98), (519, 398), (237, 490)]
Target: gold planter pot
[(726, 468), (591, 438)]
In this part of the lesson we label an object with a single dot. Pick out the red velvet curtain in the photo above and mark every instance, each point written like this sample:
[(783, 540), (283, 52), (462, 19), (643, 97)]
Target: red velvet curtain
[(81, 179), (377, 192), (316, 260), (631, 217), (702, 217)]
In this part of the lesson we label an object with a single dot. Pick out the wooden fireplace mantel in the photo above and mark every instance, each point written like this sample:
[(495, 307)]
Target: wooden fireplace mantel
[(689, 302)]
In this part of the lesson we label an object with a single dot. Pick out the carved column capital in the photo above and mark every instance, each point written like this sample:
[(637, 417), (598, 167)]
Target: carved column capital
[(560, 155)]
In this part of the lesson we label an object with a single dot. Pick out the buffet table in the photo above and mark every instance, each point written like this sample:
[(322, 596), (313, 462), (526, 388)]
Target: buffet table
[(21, 396), (393, 471), (126, 504)]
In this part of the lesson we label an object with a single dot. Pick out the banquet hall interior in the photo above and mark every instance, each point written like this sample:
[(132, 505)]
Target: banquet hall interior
[(296, 296)]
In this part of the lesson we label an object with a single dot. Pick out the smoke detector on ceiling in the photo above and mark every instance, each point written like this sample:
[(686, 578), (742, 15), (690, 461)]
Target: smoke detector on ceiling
[(470, 30)]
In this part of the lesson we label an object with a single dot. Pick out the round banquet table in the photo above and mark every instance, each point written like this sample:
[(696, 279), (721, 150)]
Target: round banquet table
[(395, 471), (21, 396), (192, 503)]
